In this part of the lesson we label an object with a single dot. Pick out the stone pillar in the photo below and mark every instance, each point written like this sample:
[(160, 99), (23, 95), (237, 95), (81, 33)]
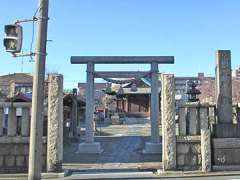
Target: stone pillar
[(154, 146), (90, 104), (89, 146), (193, 119), (25, 121), (126, 104), (12, 122), (74, 116), (182, 121), (55, 123), (168, 122), (224, 86), (1, 120), (12, 89), (155, 136), (205, 140)]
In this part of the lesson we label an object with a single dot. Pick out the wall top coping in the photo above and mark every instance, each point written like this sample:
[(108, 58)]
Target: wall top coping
[(16, 104), (17, 139), (202, 105), (187, 139), (226, 143), (197, 105)]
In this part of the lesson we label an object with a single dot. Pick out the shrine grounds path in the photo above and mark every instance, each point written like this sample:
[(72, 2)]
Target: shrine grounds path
[(122, 149)]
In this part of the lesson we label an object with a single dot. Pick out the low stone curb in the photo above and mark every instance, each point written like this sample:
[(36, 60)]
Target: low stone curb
[(181, 174), (24, 176)]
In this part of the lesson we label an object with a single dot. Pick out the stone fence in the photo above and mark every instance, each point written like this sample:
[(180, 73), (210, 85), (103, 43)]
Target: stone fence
[(194, 140), (15, 132), (189, 118), (14, 137), (196, 136)]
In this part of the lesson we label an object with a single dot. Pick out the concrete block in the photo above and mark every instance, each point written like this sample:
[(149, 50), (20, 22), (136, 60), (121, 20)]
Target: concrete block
[(226, 130), (182, 121), (226, 168), (26, 149), (190, 160), (5, 149), (20, 161), (226, 156), (10, 161), (18, 149), (188, 139), (152, 148), (180, 159), (27, 160), (195, 148), (183, 148), (90, 148), (193, 121), (1, 161), (221, 143)]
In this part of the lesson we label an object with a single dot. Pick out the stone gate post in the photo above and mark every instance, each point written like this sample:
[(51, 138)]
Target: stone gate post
[(55, 123), (168, 122)]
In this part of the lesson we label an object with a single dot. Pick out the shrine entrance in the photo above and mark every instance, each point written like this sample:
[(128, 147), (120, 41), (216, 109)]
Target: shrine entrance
[(93, 147)]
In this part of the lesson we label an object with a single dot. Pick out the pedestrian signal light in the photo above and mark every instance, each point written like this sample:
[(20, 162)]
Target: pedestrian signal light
[(13, 38)]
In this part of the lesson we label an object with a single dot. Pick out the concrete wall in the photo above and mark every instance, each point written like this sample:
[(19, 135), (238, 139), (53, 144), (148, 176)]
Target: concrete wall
[(14, 153), (189, 153), (226, 151)]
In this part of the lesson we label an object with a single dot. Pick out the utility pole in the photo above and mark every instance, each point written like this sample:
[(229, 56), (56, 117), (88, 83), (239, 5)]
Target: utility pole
[(36, 132)]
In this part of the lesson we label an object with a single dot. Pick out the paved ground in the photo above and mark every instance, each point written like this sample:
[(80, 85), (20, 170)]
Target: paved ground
[(122, 145), (151, 176)]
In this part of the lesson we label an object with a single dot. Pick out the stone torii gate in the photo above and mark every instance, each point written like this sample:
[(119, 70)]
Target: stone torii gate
[(89, 146)]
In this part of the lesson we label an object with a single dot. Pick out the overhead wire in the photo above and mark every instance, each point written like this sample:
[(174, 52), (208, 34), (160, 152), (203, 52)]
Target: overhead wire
[(33, 30)]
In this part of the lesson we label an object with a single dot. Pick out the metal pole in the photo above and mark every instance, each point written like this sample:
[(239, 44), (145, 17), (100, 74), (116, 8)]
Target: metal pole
[(35, 149)]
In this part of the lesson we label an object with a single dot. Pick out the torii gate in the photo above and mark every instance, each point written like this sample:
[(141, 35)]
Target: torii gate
[(89, 146)]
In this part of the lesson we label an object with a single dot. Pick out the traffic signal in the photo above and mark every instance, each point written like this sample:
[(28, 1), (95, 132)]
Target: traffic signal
[(13, 38)]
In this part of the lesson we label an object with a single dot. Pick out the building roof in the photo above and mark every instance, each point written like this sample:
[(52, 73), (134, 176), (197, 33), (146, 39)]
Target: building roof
[(20, 97), (17, 77)]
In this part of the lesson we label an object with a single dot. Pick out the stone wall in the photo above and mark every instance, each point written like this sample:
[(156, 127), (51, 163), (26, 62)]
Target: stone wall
[(14, 152), (226, 151), (189, 153)]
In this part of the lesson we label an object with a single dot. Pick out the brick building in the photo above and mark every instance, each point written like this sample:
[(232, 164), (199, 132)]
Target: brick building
[(13, 83)]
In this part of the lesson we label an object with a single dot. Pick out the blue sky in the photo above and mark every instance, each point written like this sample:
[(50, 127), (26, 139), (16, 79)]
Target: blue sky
[(190, 30)]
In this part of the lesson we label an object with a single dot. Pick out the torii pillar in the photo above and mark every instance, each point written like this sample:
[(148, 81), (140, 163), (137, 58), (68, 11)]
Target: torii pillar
[(89, 146), (154, 146)]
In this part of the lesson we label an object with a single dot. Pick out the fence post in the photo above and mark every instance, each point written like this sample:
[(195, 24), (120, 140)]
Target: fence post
[(205, 140), (25, 121), (12, 121), (1, 120)]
